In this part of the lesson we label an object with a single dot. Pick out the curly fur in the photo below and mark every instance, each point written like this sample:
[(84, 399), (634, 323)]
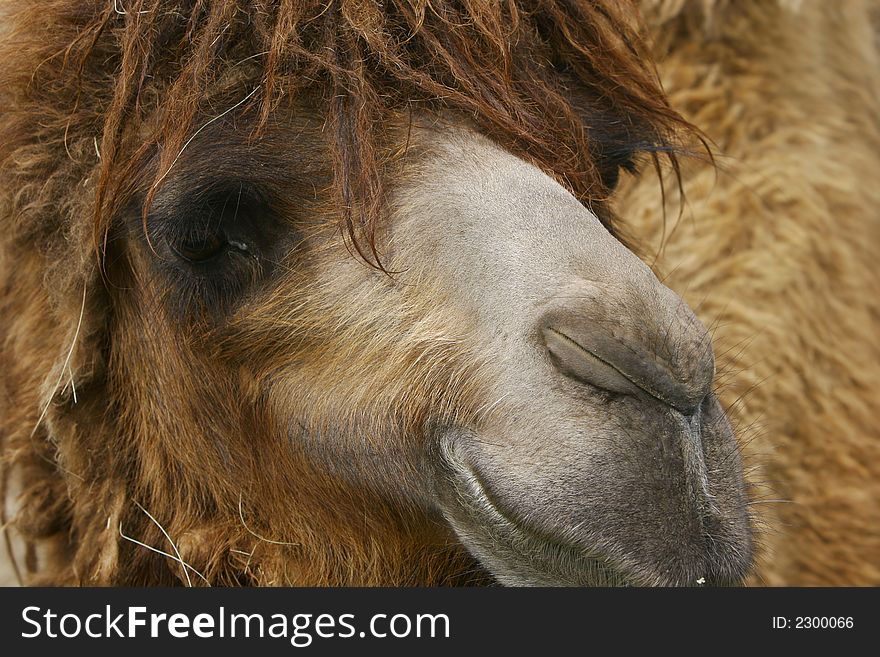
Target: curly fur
[(123, 429), (113, 450)]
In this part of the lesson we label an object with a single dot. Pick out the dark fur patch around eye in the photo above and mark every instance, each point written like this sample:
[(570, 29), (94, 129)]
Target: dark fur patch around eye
[(213, 245)]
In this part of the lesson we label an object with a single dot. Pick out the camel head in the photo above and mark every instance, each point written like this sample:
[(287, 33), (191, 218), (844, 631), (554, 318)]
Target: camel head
[(347, 327)]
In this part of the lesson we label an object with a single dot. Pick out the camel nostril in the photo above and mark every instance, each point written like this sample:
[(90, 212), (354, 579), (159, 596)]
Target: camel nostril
[(578, 362), (596, 357)]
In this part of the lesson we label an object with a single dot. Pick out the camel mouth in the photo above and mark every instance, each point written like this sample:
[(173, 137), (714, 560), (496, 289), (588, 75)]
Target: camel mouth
[(517, 551), (498, 539)]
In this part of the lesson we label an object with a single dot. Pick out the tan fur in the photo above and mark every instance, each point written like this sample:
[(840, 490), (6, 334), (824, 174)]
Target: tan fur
[(779, 250), (779, 256), (134, 430)]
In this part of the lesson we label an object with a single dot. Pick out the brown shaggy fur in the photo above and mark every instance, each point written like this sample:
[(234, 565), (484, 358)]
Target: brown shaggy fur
[(103, 436), (132, 427), (778, 250)]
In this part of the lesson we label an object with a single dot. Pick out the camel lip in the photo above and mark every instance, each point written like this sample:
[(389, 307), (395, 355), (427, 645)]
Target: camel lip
[(592, 570), (517, 554)]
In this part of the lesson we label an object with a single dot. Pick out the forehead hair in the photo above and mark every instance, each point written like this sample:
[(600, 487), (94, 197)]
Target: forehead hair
[(152, 71)]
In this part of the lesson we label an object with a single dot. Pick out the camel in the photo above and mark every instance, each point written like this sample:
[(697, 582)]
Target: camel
[(315, 294)]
